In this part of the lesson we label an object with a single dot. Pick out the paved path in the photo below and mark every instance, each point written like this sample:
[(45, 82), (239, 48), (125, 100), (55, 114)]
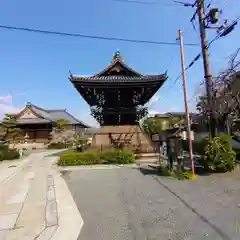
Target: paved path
[(131, 203), (34, 201)]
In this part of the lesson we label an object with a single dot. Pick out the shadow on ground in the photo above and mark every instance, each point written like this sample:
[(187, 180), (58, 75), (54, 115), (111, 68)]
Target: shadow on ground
[(154, 170), (149, 170), (203, 218)]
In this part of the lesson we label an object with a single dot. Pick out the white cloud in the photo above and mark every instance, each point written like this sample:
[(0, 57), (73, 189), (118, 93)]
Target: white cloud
[(6, 99), (159, 109), (7, 106), (153, 112)]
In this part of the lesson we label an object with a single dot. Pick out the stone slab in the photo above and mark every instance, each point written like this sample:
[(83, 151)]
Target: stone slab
[(18, 198), (11, 209), (69, 219), (3, 234), (51, 214), (32, 215), (50, 193), (29, 176), (23, 233), (47, 233), (21, 195), (7, 173), (50, 181), (8, 221)]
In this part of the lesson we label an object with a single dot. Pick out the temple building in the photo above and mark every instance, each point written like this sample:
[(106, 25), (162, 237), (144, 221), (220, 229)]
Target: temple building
[(37, 123), (116, 96)]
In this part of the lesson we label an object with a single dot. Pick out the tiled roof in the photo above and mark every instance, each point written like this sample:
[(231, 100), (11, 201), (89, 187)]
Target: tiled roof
[(118, 78), (42, 112), (48, 116), (62, 113), (115, 62)]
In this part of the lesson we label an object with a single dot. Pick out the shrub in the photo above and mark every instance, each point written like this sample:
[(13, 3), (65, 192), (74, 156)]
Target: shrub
[(57, 146), (8, 154), (11, 155), (198, 146), (109, 156), (125, 157), (3, 147), (1, 156), (187, 175), (219, 153), (72, 157)]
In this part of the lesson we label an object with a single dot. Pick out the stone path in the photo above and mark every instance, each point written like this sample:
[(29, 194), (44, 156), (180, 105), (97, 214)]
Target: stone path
[(31, 200)]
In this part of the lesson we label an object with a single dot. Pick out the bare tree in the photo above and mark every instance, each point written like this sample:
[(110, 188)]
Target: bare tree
[(226, 92)]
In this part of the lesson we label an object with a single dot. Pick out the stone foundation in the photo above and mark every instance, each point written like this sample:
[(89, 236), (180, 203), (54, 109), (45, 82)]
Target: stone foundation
[(129, 136)]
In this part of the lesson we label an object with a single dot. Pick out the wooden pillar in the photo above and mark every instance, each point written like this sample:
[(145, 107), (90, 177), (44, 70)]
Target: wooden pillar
[(34, 134)]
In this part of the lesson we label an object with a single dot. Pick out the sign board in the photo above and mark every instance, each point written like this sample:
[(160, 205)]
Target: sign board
[(185, 137)]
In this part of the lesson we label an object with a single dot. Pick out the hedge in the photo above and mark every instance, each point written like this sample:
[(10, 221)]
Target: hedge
[(8, 154), (71, 157), (57, 146)]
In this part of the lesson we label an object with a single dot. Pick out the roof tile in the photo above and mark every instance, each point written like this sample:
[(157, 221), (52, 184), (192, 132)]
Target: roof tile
[(118, 78)]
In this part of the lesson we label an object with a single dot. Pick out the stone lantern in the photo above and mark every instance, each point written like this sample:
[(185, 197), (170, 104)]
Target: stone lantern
[(26, 138)]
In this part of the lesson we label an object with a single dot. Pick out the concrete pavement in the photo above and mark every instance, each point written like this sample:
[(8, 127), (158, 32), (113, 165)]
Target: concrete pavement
[(135, 203), (35, 201)]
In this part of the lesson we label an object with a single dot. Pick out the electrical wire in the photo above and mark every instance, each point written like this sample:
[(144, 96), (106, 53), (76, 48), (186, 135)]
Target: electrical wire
[(92, 36), (193, 62)]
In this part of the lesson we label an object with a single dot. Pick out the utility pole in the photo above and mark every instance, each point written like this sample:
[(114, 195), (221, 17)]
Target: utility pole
[(188, 121), (207, 71), (209, 21)]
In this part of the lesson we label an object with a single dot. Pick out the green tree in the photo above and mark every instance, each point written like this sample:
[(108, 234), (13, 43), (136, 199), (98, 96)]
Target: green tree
[(159, 124), (61, 125), (141, 112), (79, 140), (9, 124)]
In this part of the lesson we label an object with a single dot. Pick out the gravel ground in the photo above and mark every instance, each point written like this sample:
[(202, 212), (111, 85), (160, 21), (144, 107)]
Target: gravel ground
[(134, 203)]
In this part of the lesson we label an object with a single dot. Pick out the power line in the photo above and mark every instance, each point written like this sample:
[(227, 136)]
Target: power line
[(193, 62), (92, 36), (196, 59)]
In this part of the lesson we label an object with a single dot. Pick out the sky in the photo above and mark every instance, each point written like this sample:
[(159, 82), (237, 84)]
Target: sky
[(34, 67)]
